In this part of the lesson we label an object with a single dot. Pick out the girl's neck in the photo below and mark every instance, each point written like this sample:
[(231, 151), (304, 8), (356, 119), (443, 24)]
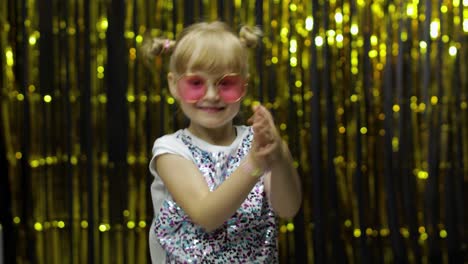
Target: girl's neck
[(220, 136)]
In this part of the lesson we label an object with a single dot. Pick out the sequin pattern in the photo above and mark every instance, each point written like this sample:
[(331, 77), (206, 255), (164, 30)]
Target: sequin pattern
[(249, 236)]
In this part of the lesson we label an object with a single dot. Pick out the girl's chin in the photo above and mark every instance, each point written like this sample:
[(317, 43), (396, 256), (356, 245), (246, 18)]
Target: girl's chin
[(212, 124), (212, 120)]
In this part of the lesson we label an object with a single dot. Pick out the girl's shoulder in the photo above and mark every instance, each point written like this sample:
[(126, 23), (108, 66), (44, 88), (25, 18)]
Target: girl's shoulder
[(168, 144), (169, 141), (171, 138)]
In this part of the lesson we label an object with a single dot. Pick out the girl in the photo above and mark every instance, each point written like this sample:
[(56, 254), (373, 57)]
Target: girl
[(218, 187)]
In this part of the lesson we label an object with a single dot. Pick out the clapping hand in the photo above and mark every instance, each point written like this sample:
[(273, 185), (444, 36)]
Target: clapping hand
[(266, 145)]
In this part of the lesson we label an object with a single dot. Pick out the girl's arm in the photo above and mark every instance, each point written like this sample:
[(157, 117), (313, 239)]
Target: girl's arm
[(210, 209), (205, 208), (282, 185)]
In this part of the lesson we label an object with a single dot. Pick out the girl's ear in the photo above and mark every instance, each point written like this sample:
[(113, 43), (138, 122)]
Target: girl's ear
[(247, 80), (171, 81)]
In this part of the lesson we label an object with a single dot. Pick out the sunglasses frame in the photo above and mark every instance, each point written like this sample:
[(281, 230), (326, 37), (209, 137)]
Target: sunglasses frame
[(216, 84)]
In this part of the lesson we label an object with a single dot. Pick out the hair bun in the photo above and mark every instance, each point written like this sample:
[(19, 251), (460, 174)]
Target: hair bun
[(250, 36), (153, 47)]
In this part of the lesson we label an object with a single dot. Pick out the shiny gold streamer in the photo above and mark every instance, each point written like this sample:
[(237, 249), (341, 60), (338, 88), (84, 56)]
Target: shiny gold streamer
[(36, 119)]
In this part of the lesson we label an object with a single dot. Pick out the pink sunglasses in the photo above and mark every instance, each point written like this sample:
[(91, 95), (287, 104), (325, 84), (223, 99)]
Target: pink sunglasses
[(192, 87)]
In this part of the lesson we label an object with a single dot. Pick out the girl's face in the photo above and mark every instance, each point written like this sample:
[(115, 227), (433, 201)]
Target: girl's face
[(209, 100)]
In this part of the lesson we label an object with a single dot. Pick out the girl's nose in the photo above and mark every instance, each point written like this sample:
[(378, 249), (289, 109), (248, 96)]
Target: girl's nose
[(211, 92)]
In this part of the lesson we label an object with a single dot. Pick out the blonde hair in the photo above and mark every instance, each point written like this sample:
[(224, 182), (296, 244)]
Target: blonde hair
[(207, 46)]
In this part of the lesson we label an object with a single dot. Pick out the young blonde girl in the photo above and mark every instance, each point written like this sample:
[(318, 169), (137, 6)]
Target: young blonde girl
[(218, 188)]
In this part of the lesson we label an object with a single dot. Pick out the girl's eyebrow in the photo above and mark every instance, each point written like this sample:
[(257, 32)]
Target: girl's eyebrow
[(208, 76)]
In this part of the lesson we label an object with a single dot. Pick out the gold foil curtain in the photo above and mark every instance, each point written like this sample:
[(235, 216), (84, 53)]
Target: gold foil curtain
[(371, 96)]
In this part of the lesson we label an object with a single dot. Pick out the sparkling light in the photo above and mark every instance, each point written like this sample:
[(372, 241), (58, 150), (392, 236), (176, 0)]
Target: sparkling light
[(293, 7), (443, 233), (339, 18), (293, 61), (293, 46), (139, 39), (434, 29), (309, 22), (318, 41), (422, 44), (453, 51), (374, 40), (409, 10), (283, 229), (347, 223), (354, 29), (423, 236), (102, 228), (357, 232), (104, 24), (9, 57), (32, 40), (373, 54), (339, 38), (130, 224), (284, 32), (38, 226), (443, 9), (423, 175)]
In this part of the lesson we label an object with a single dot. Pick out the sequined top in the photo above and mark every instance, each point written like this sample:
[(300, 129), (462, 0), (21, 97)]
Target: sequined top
[(249, 236)]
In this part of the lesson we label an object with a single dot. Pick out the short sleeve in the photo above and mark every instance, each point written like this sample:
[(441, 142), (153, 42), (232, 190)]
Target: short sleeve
[(168, 144)]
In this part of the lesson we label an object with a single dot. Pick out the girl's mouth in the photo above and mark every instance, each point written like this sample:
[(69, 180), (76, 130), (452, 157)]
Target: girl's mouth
[(211, 109)]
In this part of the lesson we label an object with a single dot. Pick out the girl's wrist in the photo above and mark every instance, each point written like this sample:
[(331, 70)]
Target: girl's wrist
[(279, 153), (251, 167)]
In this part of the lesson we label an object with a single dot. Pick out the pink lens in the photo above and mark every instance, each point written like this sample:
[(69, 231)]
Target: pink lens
[(231, 88), (192, 88)]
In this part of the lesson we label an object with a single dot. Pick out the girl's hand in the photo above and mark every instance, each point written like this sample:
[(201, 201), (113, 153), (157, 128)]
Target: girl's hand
[(270, 153), (267, 144)]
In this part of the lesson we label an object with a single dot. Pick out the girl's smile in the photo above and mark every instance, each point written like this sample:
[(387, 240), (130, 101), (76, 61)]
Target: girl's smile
[(211, 109)]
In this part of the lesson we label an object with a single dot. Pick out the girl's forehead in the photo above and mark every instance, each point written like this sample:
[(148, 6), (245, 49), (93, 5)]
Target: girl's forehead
[(210, 75), (211, 71)]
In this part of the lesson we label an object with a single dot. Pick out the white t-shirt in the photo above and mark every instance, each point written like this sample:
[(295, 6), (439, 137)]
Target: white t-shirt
[(250, 235)]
